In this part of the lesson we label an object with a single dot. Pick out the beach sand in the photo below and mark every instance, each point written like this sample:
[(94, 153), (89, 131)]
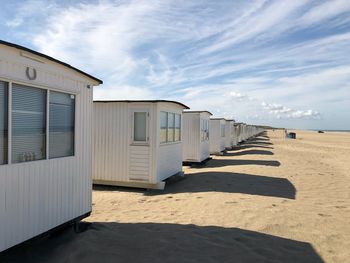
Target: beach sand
[(270, 200)]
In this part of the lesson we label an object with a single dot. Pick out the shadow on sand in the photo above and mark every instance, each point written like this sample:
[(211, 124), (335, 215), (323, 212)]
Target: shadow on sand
[(227, 162), (248, 146), (248, 152), (233, 183), (158, 242)]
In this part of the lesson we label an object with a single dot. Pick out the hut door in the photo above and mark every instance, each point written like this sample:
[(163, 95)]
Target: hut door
[(139, 155)]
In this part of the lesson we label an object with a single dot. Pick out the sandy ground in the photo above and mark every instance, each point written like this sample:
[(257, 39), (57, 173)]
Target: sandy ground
[(270, 200)]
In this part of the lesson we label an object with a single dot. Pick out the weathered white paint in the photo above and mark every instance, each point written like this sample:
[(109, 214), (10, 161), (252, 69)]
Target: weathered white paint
[(229, 133), (119, 161), (40, 195), (194, 148), (216, 141)]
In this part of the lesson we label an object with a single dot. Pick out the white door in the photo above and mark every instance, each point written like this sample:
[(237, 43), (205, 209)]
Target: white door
[(139, 154)]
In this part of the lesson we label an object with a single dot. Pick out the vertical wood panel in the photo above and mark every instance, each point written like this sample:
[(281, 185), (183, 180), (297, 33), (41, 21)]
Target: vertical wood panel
[(38, 196)]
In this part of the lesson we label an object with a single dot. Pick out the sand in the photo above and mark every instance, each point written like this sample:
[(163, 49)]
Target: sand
[(270, 200)]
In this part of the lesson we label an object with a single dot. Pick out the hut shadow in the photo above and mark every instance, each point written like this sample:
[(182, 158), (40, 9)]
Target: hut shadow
[(249, 152), (229, 162), (115, 188), (248, 146), (160, 242), (232, 183), (258, 142)]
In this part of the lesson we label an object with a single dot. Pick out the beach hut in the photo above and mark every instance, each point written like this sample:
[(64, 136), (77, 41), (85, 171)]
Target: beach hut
[(195, 136), (217, 127), (45, 144), (229, 134), (137, 143)]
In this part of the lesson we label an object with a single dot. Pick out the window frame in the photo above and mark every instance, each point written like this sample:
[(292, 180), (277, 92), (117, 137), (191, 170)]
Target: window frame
[(48, 124), (6, 122), (204, 124), (167, 127), (180, 124), (47, 112), (133, 142)]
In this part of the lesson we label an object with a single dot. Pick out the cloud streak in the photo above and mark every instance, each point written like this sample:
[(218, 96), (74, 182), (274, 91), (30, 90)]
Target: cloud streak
[(227, 56)]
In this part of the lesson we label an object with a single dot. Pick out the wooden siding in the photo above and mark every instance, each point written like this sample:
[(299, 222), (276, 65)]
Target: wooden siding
[(169, 155), (217, 143), (139, 163), (40, 195), (191, 137), (194, 150), (116, 159)]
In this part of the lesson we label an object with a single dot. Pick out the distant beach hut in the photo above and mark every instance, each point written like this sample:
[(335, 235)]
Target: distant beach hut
[(229, 134), (137, 143), (217, 127), (45, 144), (195, 137)]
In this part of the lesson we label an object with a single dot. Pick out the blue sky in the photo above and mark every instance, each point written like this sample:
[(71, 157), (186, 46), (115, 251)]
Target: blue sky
[(282, 63)]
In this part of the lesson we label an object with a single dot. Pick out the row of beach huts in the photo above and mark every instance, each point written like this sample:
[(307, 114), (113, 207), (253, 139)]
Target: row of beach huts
[(55, 142)]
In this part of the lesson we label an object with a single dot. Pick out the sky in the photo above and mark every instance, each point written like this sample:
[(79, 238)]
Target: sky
[(279, 63)]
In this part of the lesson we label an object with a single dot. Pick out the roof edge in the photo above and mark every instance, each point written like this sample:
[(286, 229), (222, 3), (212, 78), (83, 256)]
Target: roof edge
[(198, 111), (149, 101), (218, 119), (5, 43)]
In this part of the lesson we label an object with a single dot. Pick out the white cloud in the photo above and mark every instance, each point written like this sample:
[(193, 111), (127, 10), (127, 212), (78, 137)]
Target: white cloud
[(325, 11), (29, 9), (123, 92), (238, 96), (225, 56), (283, 112)]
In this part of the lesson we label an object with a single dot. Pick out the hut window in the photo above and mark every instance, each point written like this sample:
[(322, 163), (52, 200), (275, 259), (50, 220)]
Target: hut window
[(61, 124), (171, 126), (204, 130), (177, 127), (140, 126), (28, 124), (163, 126), (3, 122), (222, 126)]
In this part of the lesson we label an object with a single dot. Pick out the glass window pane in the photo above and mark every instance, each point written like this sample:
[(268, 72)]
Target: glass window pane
[(140, 126), (3, 122), (171, 126), (163, 126), (28, 124), (61, 126), (177, 127)]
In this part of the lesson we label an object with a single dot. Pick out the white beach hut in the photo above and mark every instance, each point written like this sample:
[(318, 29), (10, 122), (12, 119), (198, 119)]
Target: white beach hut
[(45, 144), (229, 134), (137, 143), (195, 137), (217, 128)]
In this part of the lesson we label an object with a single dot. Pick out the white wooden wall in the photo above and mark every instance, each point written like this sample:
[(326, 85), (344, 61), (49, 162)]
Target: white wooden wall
[(169, 156), (114, 155), (217, 143), (40, 195), (191, 137), (116, 159), (194, 150), (228, 133)]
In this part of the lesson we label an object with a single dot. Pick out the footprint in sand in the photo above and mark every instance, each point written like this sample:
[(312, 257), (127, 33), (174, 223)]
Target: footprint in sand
[(340, 206), (324, 215)]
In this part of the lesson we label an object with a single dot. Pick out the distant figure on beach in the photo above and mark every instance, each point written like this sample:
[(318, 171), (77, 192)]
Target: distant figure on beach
[(286, 133)]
